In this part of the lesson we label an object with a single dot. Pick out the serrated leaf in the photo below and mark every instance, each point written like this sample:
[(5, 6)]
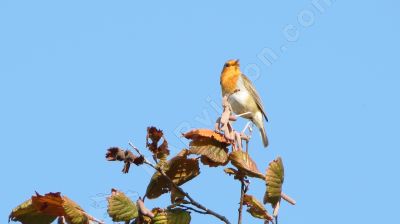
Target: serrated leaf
[(199, 134), (176, 196), (50, 203), (237, 175), (155, 135), (172, 216), (274, 178), (26, 213), (74, 214), (212, 146), (256, 208), (115, 154), (126, 156), (245, 164), (212, 153), (121, 208), (179, 169)]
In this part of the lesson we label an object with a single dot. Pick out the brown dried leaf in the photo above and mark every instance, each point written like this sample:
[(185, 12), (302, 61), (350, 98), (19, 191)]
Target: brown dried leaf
[(213, 153), (179, 169), (42, 209), (256, 208), (237, 175), (115, 154), (212, 146), (176, 196), (138, 160), (245, 164), (118, 154), (163, 151), (199, 134), (155, 135), (50, 204)]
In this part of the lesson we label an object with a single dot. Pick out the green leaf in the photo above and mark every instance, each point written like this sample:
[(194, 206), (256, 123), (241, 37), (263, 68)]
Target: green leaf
[(172, 216), (274, 178), (26, 213), (121, 208), (74, 214)]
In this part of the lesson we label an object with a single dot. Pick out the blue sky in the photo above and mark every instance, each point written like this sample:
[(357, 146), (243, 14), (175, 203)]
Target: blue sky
[(79, 76)]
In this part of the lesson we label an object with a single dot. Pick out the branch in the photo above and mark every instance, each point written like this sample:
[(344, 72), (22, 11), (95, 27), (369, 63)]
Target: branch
[(191, 200), (241, 201), (192, 209), (93, 218), (288, 199)]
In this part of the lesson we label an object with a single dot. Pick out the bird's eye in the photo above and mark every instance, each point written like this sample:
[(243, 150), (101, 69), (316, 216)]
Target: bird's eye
[(227, 65)]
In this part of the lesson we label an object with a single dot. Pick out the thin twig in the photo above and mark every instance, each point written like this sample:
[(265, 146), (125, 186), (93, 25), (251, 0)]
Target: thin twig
[(241, 201), (93, 218), (192, 209), (191, 200), (288, 199)]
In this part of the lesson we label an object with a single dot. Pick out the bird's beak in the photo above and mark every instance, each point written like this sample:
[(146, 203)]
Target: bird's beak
[(237, 61)]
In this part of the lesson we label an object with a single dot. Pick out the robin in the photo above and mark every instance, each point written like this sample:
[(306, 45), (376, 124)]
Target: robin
[(243, 98)]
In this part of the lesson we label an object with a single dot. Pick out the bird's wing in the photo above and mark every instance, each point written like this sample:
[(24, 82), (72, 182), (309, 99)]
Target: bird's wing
[(250, 87)]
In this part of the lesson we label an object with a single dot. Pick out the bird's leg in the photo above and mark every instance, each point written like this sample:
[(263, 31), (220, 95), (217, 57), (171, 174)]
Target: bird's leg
[(243, 114), (245, 137), (246, 127)]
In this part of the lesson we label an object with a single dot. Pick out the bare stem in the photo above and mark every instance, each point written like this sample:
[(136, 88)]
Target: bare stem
[(241, 201), (192, 209), (191, 200), (93, 218), (288, 199)]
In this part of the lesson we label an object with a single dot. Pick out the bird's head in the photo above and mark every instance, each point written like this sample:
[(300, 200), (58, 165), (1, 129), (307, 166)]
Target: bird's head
[(231, 65)]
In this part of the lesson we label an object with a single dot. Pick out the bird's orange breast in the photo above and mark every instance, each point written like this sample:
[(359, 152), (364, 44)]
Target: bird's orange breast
[(229, 81)]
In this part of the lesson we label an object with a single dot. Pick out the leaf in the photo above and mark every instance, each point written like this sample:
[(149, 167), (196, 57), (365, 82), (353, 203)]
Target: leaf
[(237, 175), (120, 207), (179, 169), (245, 164), (45, 209), (115, 154), (212, 153), (50, 204), (74, 214), (274, 178), (118, 154), (198, 134), (176, 196), (155, 135), (256, 208), (26, 213), (212, 146), (172, 216)]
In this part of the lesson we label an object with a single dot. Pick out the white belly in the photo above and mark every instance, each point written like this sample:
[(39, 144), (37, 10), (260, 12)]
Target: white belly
[(241, 101), (238, 102)]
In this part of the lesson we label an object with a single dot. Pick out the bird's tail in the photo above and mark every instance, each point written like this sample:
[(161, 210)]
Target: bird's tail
[(264, 136)]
